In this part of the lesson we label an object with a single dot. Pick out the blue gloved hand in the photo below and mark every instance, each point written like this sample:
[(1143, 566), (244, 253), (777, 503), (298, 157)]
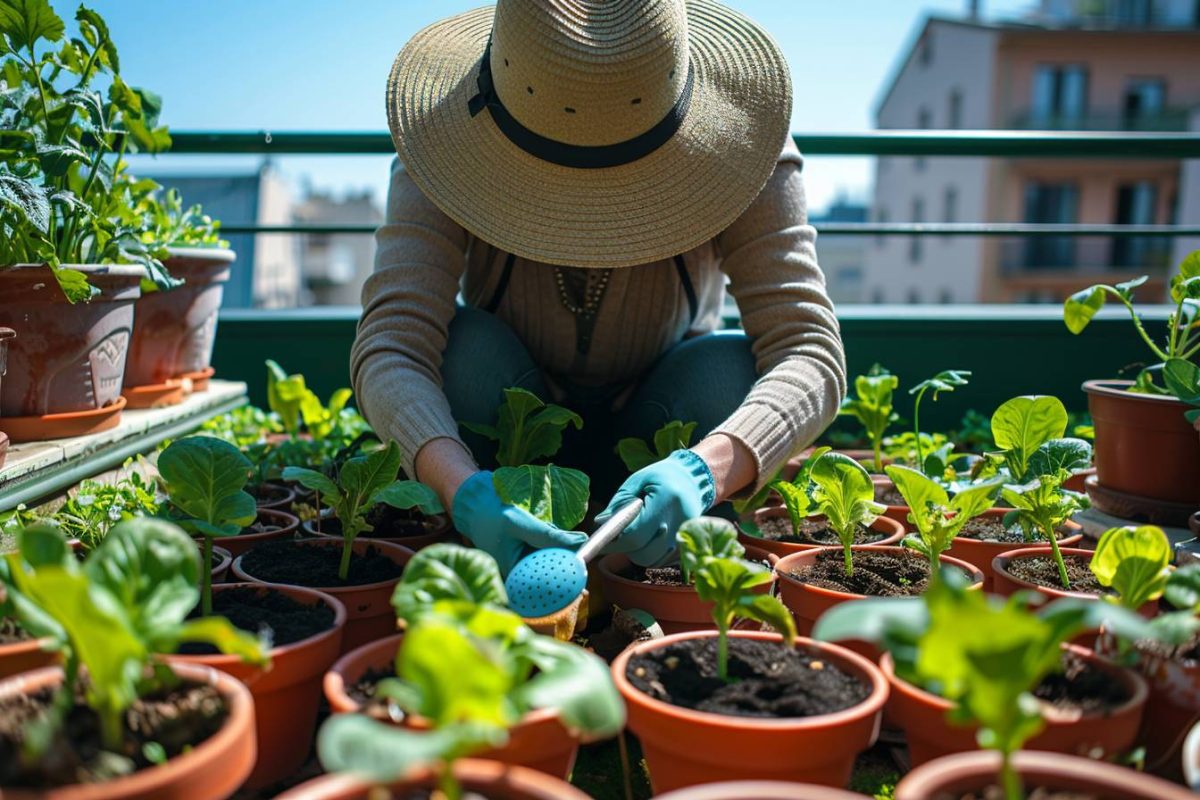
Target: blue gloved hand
[(676, 489), (505, 531)]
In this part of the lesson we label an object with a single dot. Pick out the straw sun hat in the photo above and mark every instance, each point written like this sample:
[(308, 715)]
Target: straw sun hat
[(591, 133)]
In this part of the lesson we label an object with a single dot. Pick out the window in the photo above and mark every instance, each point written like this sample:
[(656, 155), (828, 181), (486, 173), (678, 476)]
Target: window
[(1136, 205), (881, 217), (954, 109), (924, 122), (1145, 100), (914, 296), (914, 242), (1059, 95), (1050, 203), (950, 205), (877, 296), (945, 296)]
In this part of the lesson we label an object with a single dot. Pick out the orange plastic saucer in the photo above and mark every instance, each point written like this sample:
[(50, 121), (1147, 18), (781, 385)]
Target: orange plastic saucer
[(65, 425), (154, 395), (199, 379)]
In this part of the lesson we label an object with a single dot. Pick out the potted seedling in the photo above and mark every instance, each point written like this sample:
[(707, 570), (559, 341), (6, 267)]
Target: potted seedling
[(812, 581), (138, 726), (872, 407), (636, 453), (71, 262), (94, 507), (1145, 449), (668, 594), (968, 670), (713, 706)]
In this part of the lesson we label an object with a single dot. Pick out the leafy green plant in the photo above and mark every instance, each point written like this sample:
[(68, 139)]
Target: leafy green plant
[(1023, 425), (675, 435), (937, 517), (170, 225), (1041, 507), (945, 381), (295, 404), (65, 197), (1183, 380), (872, 407), (1134, 562), (984, 654), (112, 614), (1183, 333), (553, 494), (205, 479), (243, 427), (703, 538), (447, 572), (361, 483), (526, 430), (91, 512)]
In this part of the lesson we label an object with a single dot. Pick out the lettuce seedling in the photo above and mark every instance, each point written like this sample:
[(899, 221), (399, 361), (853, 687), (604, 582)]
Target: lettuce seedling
[(110, 615), (1183, 334), (872, 407), (1021, 426), (984, 654), (526, 429), (205, 478), (937, 517), (841, 490), (1041, 507), (1183, 380), (1133, 561), (553, 494), (447, 572), (945, 381), (675, 435), (703, 538), (295, 403), (361, 483)]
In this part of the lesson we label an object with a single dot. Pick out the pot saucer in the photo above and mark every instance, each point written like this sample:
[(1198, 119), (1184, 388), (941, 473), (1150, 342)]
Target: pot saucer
[(64, 425), (3, 447), (155, 395), (1138, 509), (199, 379)]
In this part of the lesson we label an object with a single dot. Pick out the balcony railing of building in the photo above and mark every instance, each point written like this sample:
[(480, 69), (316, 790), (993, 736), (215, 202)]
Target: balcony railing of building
[(1168, 119)]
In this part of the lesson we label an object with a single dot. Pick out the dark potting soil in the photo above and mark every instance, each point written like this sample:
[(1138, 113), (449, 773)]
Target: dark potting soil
[(875, 574), (663, 576), (623, 630), (259, 527), (768, 679), (265, 493), (889, 495), (1081, 686), (779, 529), (1043, 571), (388, 523), (996, 793), (11, 631), (177, 720), (363, 690), (991, 529), (1188, 651), (306, 565), (283, 619)]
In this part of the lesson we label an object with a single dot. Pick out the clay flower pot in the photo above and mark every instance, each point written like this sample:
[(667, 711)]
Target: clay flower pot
[(675, 608), (174, 331), (222, 559), (685, 747), (275, 496), (1191, 758), (922, 715), (1007, 584), (539, 741), (440, 532), (286, 696), (970, 773), (897, 512), (489, 779), (760, 790), (212, 770), (1144, 446), (287, 523), (864, 457), (893, 532), (67, 362), (807, 602), (369, 614), (19, 657), (982, 553), (5, 335)]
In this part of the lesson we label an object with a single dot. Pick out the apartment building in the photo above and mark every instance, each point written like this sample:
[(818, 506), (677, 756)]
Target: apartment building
[(1071, 65)]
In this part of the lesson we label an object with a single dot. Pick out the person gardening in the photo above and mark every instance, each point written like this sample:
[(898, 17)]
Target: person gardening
[(588, 176)]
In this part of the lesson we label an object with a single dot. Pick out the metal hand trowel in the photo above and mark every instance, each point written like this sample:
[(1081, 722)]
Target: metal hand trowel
[(549, 580)]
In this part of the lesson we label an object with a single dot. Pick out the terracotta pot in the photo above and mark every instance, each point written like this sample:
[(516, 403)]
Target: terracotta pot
[(222, 560), (807, 602), (922, 715), (864, 457), (964, 773), (1191, 758), (539, 741), (896, 512), (287, 695), (1144, 446), (982, 553), (281, 497), (685, 747), (174, 331), (19, 657), (676, 608), (369, 614), (212, 770), (1077, 481), (892, 530), (67, 361), (5, 335), (440, 533), (489, 779), (288, 525), (760, 790)]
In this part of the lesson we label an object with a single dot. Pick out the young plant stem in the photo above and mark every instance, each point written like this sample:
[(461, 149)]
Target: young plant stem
[(920, 465), (848, 558), (112, 729), (206, 578), (1009, 779), (1137, 323), (877, 443), (1048, 530), (447, 783), (723, 648), (347, 551)]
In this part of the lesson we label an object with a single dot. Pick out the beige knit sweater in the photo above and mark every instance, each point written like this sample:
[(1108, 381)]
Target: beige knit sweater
[(423, 259)]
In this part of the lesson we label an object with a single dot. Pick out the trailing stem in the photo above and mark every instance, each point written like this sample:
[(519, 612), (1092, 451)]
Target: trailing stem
[(1048, 530)]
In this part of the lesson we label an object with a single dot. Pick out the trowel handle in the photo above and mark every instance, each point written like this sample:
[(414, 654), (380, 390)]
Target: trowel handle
[(610, 530)]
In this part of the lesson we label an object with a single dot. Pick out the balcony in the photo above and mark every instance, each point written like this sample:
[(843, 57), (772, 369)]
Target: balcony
[(1170, 119)]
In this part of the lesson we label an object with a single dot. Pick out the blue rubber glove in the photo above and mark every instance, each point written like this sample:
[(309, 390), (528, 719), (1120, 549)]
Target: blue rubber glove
[(676, 489), (505, 531)]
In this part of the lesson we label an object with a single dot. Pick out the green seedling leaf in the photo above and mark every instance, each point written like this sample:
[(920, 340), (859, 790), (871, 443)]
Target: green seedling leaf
[(1183, 588), (444, 572), (1133, 561), (703, 538), (527, 429), (936, 517), (872, 406), (1023, 424), (1081, 307), (552, 494), (405, 495), (843, 492), (205, 478), (636, 454), (1060, 455), (575, 682), (729, 583), (1183, 380)]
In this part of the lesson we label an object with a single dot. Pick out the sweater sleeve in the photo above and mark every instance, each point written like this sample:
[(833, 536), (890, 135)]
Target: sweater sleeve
[(769, 255), (408, 303)]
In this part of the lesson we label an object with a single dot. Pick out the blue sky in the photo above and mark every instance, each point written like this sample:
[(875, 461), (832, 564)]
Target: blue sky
[(309, 65)]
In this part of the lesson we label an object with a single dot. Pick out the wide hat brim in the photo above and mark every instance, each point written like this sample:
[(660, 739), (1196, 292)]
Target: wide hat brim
[(677, 197)]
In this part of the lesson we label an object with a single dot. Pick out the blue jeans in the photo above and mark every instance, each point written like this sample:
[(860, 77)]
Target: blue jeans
[(699, 380)]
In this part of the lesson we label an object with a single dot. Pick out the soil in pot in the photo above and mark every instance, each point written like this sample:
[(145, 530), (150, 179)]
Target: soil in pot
[(813, 531), (889, 495), (285, 621), (1081, 687), (670, 575), (389, 523), (875, 574), (282, 562), (11, 631), (769, 680), (622, 630), (270, 495), (1043, 571), (177, 719), (988, 528)]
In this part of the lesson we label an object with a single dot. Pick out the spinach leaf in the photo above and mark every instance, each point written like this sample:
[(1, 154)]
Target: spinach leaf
[(703, 538), (636, 454), (1133, 561), (451, 572), (552, 494), (936, 517), (945, 381), (872, 407), (728, 583), (526, 429), (1023, 424)]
